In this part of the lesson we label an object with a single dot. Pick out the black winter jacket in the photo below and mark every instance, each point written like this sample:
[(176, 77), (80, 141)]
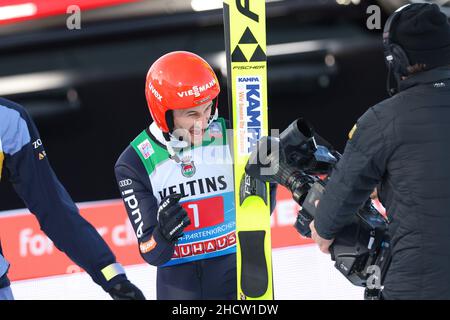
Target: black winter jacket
[(402, 145)]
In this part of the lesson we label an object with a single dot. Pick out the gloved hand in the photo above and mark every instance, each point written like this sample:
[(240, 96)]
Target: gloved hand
[(125, 290), (172, 218)]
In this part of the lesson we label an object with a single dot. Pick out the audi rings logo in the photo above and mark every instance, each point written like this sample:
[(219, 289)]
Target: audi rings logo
[(124, 183)]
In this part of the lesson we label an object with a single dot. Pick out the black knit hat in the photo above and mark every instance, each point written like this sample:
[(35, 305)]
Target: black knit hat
[(423, 31)]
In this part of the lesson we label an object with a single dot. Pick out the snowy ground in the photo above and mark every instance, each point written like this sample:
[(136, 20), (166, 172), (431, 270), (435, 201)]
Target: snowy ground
[(299, 273)]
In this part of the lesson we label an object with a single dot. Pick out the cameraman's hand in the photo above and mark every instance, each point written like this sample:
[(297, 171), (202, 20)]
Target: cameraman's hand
[(323, 244), (172, 218)]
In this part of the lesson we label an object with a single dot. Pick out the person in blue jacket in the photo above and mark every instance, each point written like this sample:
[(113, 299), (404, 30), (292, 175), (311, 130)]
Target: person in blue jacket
[(24, 162)]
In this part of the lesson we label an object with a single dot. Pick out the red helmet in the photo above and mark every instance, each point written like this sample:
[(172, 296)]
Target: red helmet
[(179, 80)]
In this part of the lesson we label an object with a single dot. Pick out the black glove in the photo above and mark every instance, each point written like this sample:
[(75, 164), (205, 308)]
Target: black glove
[(125, 290), (172, 218)]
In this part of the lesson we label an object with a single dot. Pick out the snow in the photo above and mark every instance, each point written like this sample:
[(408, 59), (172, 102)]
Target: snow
[(300, 273)]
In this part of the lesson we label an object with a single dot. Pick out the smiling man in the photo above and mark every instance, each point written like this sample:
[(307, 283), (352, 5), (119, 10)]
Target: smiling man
[(176, 180), (190, 124)]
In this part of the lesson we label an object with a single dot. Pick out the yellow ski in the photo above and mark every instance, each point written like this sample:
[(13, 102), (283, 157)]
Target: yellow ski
[(245, 42)]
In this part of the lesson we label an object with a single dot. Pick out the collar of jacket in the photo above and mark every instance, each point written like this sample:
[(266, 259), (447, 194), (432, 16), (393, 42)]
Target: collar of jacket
[(433, 75)]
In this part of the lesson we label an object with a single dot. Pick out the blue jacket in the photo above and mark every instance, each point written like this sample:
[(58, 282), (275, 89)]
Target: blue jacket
[(24, 162)]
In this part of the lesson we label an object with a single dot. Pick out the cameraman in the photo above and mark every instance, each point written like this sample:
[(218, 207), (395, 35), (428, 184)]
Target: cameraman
[(402, 145)]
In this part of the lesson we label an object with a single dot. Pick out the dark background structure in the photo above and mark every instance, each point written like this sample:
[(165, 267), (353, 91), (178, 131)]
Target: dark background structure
[(85, 88)]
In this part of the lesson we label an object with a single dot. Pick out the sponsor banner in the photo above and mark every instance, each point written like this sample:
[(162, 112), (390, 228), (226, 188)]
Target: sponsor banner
[(283, 219), (33, 255)]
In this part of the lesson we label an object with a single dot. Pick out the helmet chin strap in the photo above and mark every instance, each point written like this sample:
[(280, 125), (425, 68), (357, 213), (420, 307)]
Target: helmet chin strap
[(214, 116), (171, 143)]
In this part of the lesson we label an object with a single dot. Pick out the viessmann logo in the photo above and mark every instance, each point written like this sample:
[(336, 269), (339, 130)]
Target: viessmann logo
[(196, 90)]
